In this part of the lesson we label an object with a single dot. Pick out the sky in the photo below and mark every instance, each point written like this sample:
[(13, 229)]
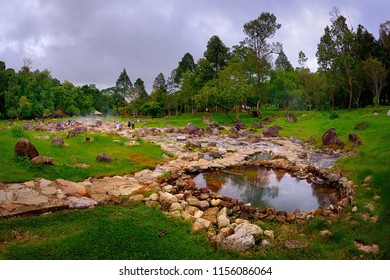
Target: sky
[(91, 41)]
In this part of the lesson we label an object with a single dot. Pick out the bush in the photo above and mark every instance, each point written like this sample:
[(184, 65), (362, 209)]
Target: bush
[(333, 115), (18, 131)]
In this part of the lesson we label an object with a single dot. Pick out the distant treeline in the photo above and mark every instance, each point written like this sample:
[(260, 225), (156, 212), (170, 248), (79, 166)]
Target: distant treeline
[(353, 72)]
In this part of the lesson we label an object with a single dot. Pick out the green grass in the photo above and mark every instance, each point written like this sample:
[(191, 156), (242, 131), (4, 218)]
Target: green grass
[(104, 232), (131, 232), (129, 159)]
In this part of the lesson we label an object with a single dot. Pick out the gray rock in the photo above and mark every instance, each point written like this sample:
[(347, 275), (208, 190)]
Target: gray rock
[(240, 241), (80, 202), (249, 228), (167, 198), (28, 196), (58, 141), (104, 158)]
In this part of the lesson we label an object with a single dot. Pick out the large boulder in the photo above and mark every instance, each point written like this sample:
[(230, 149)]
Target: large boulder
[(77, 130), (329, 137), (272, 131), (25, 148), (191, 129)]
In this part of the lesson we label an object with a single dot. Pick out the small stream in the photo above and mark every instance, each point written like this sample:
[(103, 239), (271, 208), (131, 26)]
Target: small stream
[(262, 187)]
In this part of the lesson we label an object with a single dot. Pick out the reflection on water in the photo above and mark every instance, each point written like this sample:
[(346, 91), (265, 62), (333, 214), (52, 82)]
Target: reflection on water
[(264, 187)]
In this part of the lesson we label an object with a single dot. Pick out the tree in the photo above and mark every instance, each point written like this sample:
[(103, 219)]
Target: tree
[(124, 84), (282, 63), (375, 74), (258, 31), (187, 64), (302, 59), (313, 88), (384, 36), (335, 52), (228, 91), (216, 53)]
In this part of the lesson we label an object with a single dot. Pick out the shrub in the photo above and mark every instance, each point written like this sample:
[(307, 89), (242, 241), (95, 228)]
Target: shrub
[(18, 131), (333, 115)]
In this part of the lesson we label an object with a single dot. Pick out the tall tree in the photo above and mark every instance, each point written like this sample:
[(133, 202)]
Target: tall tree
[(376, 75), (282, 63), (124, 85), (302, 59), (336, 51), (384, 36), (258, 32), (186, 64), (216, 53)]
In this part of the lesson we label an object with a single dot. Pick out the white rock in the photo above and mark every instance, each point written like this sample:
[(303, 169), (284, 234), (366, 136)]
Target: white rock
[(249, 228), (80, 202), (198, 214), (223, 221), (153, 197), (167, 198), (239, 241), (265, 243), (175, 207)]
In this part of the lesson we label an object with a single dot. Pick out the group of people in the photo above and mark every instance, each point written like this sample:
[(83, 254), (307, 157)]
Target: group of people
[(130, 124)]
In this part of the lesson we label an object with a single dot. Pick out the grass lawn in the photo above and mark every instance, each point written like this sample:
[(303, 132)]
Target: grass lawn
[(76, 150), (133, 232)]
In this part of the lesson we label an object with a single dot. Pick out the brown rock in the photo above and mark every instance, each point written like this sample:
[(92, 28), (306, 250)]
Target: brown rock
[(136, 197), (77, 130), (253, 138), (104, 158), (272, 131), (290, 217), (281, 219), (58, 141), (25, 148), (8, 205), (329, 137), (72, 188), (42, 160), (211, 215), (291, 118), (191, 183), (295, 244)]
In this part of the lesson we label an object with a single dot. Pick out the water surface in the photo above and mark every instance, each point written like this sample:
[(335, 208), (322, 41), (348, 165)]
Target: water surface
[(264, 187)]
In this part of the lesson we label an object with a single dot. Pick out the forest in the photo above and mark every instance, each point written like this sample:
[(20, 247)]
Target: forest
[(352, 72)]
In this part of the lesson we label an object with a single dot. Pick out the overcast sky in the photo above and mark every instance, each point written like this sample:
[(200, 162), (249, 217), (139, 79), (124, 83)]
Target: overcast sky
[(91, 41)]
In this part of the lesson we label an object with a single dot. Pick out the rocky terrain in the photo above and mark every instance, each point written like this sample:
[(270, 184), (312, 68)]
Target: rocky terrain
[(170, 187)]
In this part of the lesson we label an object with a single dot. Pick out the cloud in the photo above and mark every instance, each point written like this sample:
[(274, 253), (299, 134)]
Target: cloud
[(91, 41)]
